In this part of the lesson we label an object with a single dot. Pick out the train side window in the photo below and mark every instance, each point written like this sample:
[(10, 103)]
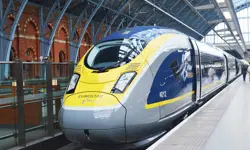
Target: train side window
[(175, 69)]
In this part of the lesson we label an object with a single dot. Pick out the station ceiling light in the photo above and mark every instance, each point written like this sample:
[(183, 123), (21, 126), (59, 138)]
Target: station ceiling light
[(235, 32), (227, 15), (220, 1), (230, 37), (227, 32)]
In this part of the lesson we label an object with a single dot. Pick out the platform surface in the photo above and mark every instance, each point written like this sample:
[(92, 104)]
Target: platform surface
[(223, 123)]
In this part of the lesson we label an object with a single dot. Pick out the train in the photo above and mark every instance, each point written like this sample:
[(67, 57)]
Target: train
[(133, 84)]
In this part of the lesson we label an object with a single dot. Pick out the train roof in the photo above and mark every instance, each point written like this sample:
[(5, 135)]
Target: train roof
[(146, 33)]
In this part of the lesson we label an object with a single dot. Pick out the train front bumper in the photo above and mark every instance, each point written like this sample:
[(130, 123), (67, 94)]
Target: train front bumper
[(89, 123)]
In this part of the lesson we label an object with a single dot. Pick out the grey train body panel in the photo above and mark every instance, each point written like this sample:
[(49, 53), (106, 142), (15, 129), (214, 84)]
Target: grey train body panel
[(139, 119), (168, 109), (170, 46)]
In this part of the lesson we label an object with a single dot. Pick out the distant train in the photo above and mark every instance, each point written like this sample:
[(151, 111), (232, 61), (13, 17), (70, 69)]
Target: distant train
[(130, 86)]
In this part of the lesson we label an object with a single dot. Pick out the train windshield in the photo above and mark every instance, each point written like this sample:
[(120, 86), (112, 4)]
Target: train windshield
[(112, 54)]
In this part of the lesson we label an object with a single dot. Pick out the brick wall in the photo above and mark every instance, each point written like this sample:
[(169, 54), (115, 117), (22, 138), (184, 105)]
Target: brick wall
[(27, 36)]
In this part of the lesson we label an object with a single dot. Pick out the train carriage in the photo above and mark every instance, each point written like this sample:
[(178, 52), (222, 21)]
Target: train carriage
[(132, 85)]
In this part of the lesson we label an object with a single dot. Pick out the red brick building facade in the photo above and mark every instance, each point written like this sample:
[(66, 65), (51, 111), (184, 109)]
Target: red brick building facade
[(26, 44)]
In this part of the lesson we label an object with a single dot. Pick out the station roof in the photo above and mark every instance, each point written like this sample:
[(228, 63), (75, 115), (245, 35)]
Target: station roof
[(192, 17), (143, 12)]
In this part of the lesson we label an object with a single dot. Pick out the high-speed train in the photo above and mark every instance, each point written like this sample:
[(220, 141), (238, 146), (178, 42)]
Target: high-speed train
[(131, 86)]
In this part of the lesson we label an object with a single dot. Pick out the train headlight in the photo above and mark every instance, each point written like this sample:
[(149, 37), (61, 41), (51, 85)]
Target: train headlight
[(124, 80), (72, 84)]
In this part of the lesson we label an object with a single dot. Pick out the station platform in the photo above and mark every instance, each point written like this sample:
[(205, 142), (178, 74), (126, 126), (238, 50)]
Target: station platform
[(223, 123)]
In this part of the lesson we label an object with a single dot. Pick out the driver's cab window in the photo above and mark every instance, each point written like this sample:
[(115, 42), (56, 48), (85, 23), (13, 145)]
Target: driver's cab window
[(114, 53)]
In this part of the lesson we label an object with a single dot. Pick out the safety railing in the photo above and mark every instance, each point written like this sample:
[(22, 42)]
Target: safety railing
[(30, 99)]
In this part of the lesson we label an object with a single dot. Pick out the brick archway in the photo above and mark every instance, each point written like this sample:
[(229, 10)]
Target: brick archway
[(31, 32)]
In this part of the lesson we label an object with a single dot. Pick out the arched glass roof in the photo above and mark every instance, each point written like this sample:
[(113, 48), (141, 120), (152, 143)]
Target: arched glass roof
[(178, 14), (244, 21), (238, 3), (193, 17), (243, 15)]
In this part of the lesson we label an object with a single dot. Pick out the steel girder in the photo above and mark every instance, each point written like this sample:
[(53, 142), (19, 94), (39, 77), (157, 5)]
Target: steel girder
[(93, 31), (74, 47), (194, 19), (187, 14), (175, 4), (114, 18), (1, 12), (137, 11), (120, 24), (182, 9), (51, 19), (198, 13), (7, 36), (115, 11), (202, 26), (177, 20), (102, 22), (162, 4), (151, 15), (77, 24), (198, 22), (149, 18), (159, 20)]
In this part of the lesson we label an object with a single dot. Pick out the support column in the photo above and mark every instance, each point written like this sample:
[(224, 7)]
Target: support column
[(120, 24), (20, 103), (49, 92), (71, 67), (6, 37)]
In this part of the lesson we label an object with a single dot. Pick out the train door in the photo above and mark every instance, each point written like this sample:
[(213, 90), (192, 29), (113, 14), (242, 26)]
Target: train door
[(213, 69), (197, 71)]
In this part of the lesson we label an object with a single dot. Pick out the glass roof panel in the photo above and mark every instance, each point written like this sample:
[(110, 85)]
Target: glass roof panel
[(239, 2)]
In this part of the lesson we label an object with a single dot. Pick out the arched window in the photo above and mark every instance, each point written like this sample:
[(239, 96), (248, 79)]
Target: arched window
[(61, 67), (28, 52), (61, 56)]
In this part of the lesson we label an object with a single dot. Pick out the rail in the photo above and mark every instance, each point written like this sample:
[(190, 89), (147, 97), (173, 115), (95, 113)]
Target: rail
[(30, 99)]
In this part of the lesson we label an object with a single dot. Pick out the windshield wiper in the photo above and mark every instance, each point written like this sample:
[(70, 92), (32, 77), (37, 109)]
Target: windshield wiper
[(105, 69)]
